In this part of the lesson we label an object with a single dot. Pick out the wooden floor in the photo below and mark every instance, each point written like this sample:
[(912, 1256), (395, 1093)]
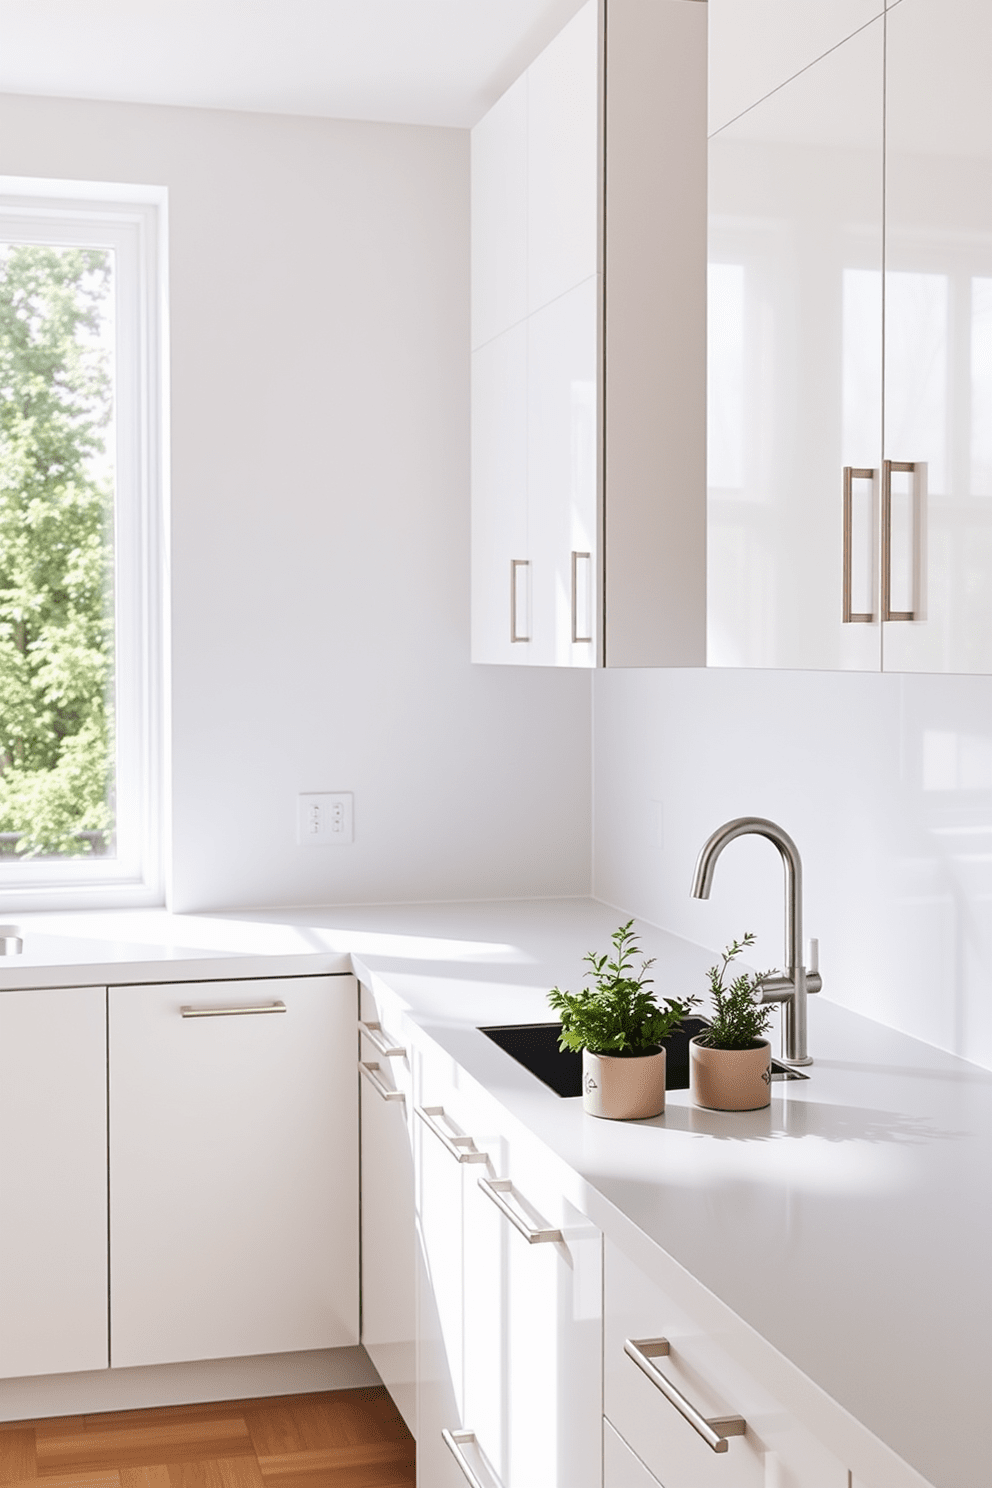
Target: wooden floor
[(341, 1439)]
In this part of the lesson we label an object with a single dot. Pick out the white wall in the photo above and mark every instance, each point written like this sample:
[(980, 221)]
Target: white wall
[(885, 783), (319, 328)]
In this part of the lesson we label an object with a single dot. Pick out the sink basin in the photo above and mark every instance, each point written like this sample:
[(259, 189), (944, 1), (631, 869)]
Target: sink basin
[(535, 1046)]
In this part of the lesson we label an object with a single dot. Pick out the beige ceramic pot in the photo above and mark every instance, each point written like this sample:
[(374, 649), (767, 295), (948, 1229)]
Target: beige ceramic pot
[(731, 1079), (623, 1089)]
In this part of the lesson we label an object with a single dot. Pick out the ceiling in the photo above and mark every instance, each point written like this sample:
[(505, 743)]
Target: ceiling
[(405, 61)]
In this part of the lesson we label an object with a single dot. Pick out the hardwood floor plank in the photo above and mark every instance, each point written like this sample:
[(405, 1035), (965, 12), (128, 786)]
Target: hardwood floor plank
[(219, 1472), (145, 1477), (376, 1475), (74, 1480), (335, 1418), (17, 1459), (327, 1459), (149, 1445)]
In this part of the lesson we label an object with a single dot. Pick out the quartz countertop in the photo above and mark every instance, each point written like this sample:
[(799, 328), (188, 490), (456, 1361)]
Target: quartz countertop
[(849, 1224)]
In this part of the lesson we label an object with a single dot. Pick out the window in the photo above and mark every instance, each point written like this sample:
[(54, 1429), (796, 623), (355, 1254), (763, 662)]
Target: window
[(82, 503)]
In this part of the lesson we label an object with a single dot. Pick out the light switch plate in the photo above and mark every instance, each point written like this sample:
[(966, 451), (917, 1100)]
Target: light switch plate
[(325, 818)]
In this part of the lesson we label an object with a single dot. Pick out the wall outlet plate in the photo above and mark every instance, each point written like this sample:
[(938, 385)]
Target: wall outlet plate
[(325, 818)]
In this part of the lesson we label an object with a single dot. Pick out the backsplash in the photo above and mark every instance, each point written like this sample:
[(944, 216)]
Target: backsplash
[(884, 782)]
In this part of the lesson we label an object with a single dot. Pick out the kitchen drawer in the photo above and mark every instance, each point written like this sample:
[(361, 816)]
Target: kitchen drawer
[(774, 1451)]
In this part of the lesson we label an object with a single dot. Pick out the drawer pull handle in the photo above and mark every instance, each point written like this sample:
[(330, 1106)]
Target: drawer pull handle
[(454, 1441), (232, 1012), (716, 1429), (462, 1149), (906, 467), (371, 1072), (495, 1188), (373, 1032), (851, 474)]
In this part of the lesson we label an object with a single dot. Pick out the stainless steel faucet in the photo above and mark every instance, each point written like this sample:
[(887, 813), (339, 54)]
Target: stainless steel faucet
[(791, 987)]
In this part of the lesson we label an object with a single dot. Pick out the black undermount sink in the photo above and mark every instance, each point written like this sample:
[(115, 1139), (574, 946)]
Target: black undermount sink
[(535, 1046)]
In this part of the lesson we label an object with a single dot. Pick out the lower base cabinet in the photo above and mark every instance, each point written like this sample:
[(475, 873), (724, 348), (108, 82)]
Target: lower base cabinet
[(233, 1169), (53, 1181), (510, 1308), (663, 1419), (621, 1469)]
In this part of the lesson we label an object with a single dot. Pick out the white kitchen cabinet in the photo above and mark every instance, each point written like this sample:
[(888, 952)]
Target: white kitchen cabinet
[(387, 1210), (849, 522), (621, 1469), (515, 1297), (233, 1168), (767, 1449), (588, 507), (53, 1181)]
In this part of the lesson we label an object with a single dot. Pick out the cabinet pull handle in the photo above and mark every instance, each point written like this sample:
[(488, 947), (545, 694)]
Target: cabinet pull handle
[(373, 1032), (371, 1072), (851, 474), (907, 467), (716, 1429), (517, 631), (454, 1441), (462, 1149), (495, 1188), (576, 638), (232, 1012)]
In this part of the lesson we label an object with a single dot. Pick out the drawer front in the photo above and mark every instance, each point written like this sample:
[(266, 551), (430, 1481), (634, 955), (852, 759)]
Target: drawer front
[(774, 1451)]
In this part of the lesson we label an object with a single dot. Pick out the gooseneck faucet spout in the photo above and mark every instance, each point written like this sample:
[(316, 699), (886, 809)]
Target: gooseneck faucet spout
[(791, 987)]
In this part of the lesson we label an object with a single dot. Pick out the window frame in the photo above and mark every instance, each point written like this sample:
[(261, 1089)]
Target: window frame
[(133, 221)]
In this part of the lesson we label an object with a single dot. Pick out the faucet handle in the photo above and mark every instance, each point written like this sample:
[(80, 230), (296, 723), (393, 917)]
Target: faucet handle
[(812, 955)]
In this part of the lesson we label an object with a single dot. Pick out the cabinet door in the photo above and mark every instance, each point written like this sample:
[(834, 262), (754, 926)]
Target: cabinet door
[(621, 1469), (533, 1323), (502, 627), (563, 161), (563, 477), (795, 309), (53, 1181), (755, 48), (388, 1219), (233, 1169), (773, 1452), (499, 216), (938, 331)]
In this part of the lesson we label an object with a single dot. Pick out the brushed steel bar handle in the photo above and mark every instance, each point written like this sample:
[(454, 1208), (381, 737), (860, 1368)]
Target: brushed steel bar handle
[(373, 1032), (576, 638), (495, 1188), (904, 467), (515, 635), (371, 1072), (462, 1149), (714, 1430), (851, 474), (454, 1441), (232, 1012)]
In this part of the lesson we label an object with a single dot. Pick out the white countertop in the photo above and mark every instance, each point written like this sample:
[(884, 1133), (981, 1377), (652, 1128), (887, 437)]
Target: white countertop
[(850, 1224)]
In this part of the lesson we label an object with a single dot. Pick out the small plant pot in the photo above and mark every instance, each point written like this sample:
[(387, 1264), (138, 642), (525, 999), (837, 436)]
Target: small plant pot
[(623, 1088), (731, 1079)]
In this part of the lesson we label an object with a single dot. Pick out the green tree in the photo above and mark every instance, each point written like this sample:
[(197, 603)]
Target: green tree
[(56, 554)]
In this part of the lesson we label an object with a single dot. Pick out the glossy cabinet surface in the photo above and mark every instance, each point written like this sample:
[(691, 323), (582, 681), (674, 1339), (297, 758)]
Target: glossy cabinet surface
[(53, 1181), (389, 1328), (513, 1333), (773, 1449), (233, 1170), (621, 1468), (587, 427)]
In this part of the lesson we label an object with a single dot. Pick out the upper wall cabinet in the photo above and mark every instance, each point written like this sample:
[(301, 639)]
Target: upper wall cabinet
[(588, 376), (850, 349)]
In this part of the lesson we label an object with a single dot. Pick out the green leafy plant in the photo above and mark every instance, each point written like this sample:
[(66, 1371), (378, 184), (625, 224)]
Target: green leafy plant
[(738, 1022), (617, 1014)]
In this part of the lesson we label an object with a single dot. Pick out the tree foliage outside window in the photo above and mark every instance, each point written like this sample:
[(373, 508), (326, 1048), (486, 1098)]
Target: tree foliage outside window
[(56, 552)]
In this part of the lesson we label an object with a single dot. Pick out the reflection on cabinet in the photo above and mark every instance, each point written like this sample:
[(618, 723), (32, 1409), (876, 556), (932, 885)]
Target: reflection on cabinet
[(388, 1222), (53, 1181), (588, 221), (850, 524), (233, 1168), (688, 1410), (511, 1312)]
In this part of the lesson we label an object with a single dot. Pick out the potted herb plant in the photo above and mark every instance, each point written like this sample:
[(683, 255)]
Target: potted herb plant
[(618, 1025), (730, 1062)]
